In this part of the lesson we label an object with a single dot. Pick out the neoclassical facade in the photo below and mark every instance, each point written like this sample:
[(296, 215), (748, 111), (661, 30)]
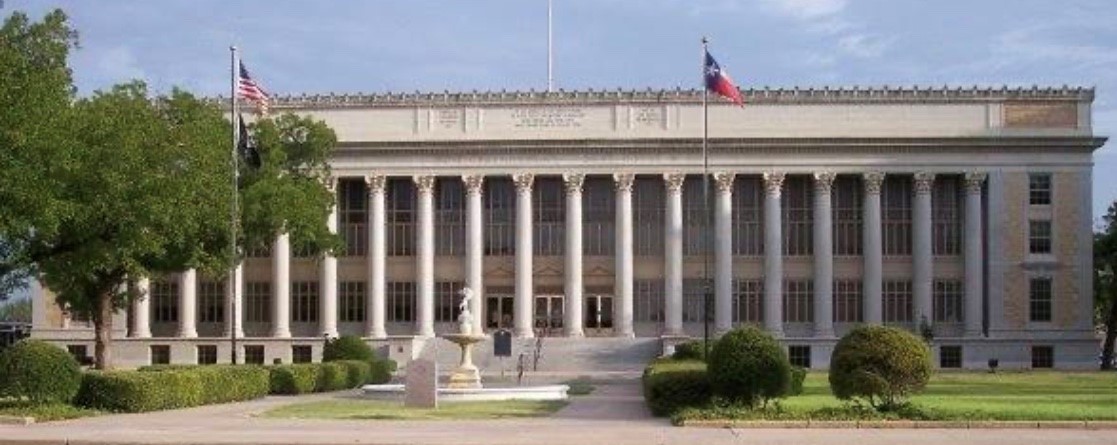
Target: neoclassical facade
[(961, 214)]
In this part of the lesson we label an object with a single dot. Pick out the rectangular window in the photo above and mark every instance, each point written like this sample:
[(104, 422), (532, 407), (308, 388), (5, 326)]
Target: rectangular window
[(798, 212), (599, 210), (499, 199), (400, 217), (211, 302), (254, 354), (694, 299), (1039, 299), (351, 304), (896, 197), (950, 357), (79, 352), (257, 302), (649, 300), (847, 301), (160, 354), (352, 215), (748, 297), (649, 209), (1043, 357), (948, 301), (449, 219), (401, 301), (549, 216), (304, 302), (748, 208), (302, 354), (446, 301), (1039, 189), (797, 301), (897, 301), (946, 215), (846, 202), (207, 354), (1039, 236), (697, 238), (164, 301), (799, 355)]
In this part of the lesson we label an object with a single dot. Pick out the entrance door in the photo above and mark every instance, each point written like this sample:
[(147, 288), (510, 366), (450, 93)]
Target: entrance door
[(599, 315), (548, 314), (499, 311)]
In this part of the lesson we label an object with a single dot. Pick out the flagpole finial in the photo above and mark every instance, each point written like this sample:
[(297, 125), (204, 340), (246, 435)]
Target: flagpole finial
[(705, 40), (233, 48)]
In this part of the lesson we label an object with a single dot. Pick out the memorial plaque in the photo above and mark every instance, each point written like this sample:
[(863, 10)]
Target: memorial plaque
[(502, 343), (421, 385), (535, 118)]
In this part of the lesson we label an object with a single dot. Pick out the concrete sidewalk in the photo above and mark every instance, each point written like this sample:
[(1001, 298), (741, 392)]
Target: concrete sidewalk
[(614, 414)]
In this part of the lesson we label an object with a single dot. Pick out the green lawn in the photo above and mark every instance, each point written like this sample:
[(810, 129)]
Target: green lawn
[(375, 409), (43, 412), (958, 396)]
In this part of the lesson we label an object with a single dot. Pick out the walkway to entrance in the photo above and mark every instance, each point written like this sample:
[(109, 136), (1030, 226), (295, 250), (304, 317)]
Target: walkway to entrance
[(613, 414)]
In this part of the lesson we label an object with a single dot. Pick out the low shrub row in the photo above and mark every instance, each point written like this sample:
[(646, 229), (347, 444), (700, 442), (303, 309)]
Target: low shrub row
[(306, 378), (670, 385), (159, 389)]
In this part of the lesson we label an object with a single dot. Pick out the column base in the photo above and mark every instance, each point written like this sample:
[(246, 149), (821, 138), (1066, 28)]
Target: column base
[(377, 335), (281, 334)]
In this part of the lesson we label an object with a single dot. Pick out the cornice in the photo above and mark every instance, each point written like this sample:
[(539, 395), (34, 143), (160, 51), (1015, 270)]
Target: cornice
[(765, 95)]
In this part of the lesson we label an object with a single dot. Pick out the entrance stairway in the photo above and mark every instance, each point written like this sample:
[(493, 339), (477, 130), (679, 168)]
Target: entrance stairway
[(559, 355)]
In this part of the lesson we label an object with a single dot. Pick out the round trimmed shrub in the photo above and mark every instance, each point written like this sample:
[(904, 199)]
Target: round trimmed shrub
[(880, 365), (40, 372), (747, 366), (691, 350), (347, 347)]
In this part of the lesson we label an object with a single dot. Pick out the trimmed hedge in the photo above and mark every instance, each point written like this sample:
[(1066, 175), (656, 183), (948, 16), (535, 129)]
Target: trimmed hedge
[(293, 379), (357, 372), (347, 347), (381, 372), (692, 350), (39, 371), (748, 366), (798, 375), (332, 376), (670, 385), (155, 389), (879, 364)]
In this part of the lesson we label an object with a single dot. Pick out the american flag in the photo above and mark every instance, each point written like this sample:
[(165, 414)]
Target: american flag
[(252, 91)]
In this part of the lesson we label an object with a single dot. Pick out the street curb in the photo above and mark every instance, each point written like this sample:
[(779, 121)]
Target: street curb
[(905, 424), (16, 420)]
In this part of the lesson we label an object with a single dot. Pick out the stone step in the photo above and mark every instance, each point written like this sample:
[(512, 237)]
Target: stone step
[(555, 354)]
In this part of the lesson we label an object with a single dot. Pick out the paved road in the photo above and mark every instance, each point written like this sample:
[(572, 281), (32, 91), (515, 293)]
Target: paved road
[(614, 414)]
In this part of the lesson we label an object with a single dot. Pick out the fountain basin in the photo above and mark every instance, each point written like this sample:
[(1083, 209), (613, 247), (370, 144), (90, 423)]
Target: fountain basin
[(548, 392)]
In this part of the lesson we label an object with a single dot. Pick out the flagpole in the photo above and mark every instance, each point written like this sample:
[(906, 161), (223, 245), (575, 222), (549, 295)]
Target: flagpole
[(234, 287), (706, 203)]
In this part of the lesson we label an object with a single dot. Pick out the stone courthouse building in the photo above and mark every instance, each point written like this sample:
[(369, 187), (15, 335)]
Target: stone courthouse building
[(579, 216)]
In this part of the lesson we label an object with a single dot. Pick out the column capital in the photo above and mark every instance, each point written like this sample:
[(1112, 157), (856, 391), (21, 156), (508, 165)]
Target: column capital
[(376, 183), (773, 182), (724, 181), (923, 182), (523, 181), (972, 181), (872, 181), (473, 183), (622, 182), (425, 183), (823, 181), (674, 182), (573, 182)]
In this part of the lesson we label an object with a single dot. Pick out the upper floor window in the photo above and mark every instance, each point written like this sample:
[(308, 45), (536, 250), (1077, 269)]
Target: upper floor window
[(1039, 188), (1039, 236), (1039, 299)]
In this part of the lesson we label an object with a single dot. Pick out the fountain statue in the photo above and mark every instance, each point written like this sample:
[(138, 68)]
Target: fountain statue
[(466, 375)]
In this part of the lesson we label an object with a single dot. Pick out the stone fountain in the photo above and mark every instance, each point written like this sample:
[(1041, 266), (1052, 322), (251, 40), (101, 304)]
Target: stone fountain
[(466, 375)]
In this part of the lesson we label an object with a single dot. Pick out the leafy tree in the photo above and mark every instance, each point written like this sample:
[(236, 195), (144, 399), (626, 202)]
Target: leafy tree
[(16, 310), (1105, 282)]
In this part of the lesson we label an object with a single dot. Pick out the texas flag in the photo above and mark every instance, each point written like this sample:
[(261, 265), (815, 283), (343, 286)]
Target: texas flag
[(718, 81)]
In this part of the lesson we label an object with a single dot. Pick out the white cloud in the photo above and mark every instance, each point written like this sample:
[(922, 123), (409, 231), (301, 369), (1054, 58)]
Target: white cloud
[(863, 46), (1036, 44), (118, 64), (806, 9)]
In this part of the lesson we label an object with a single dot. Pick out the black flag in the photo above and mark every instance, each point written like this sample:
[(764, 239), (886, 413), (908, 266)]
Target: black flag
[(246, 148)]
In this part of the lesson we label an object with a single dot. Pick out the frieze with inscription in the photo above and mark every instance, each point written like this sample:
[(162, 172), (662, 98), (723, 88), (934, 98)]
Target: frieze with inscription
[(534, 118)]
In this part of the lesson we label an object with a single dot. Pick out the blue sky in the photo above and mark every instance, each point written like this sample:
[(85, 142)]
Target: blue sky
[(428, 45)]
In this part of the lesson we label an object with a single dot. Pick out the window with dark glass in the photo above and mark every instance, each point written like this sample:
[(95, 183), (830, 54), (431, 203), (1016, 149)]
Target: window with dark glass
[(798, 210), (1043, 357), (400, 217), (160, 354), (549, 216), (950, 357), (353, 216), (896, 202), (1039, 188), (748, 216), (449, 218), (207, 354), (1039, 299), (1039, 236), (799, 355), (302, 354), (254, 354)]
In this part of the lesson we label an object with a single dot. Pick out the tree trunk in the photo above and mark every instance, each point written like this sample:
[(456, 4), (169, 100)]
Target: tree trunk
[(102, 326), (1110, 331)]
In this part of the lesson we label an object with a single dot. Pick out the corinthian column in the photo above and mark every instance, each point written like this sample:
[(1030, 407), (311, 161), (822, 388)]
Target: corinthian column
[(723, 252), (974, 254), (141, 323), (673, 285), (424, 267), (872, 251), (524, 253), (281, 279), (573, 270), (234, 287), (474, 247), (376, 304), (773, 254), (623, 287), (188, 303), (327, 284), (823, 256), (921, 253)]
